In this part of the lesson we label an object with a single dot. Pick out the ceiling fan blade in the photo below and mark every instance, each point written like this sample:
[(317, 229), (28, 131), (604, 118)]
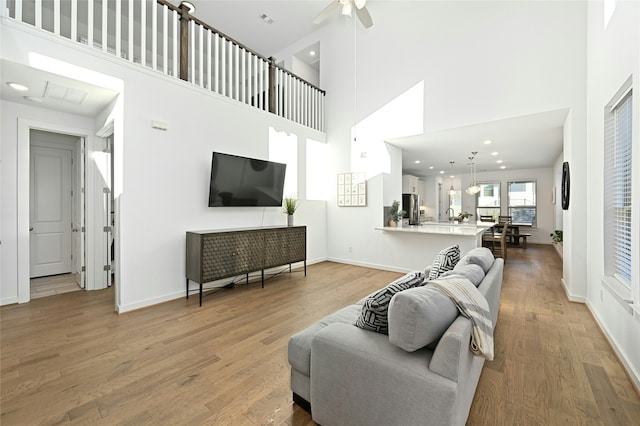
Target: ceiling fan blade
[(365, 17), (327, 11), (360, 3)]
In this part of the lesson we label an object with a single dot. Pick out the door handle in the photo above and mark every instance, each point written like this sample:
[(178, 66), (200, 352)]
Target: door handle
[(30, 228)]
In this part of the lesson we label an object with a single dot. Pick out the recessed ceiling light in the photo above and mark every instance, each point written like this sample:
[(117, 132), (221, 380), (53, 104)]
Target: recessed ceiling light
[(312, 53), (498, 161), (488, 141), (33, 99), (494, 153), (417, 161), (430, 167), (441, 172), (452, 176), (266, 18), (18, 87), (503, 167)]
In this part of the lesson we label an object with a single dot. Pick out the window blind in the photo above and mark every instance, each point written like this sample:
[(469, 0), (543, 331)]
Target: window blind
[(617, 190)]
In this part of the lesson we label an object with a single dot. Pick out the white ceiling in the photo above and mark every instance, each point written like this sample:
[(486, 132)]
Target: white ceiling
[(524, 142), (530, 141), (97, 98)]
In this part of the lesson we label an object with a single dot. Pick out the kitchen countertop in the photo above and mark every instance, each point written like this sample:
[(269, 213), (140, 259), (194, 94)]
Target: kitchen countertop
[(462, 229)]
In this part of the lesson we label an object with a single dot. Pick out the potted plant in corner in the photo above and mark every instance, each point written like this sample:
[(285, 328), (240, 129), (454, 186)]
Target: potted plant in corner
[(556, 236), (395, 214), (290, 206), (556, 239), (464, 217)]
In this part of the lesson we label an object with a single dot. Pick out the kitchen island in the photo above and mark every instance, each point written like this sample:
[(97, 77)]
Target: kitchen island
[(421, 243)]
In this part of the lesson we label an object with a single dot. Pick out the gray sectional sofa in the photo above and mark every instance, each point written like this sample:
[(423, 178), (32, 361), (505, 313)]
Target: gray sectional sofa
[(347, 375)]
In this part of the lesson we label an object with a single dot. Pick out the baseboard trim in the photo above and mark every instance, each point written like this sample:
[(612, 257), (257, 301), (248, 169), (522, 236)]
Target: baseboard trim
[(572, 297), (634, 376), (368, 265), (120, 309)]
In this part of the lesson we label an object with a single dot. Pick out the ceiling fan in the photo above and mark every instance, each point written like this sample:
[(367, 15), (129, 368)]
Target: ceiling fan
[(347, 8)]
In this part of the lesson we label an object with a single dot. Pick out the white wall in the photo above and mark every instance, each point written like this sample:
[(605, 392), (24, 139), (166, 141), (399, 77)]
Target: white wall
[(557, 184), (544, 186), (478, 61), (164, 174), (614, 56)]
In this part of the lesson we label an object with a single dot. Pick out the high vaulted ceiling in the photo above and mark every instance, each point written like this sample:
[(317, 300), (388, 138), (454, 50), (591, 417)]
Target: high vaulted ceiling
[(530, 141)]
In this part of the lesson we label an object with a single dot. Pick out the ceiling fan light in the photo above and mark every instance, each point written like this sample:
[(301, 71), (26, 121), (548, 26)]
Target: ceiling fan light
[(346, 9)]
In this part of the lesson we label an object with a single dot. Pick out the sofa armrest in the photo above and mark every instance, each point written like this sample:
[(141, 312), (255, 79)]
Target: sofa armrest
[(452, 357), (358, 377)]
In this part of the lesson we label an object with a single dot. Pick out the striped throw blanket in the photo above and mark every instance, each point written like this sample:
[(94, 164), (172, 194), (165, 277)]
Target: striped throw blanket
[(473, 305)]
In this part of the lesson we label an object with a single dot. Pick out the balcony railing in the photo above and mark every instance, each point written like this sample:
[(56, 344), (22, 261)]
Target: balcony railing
[(167, 39)]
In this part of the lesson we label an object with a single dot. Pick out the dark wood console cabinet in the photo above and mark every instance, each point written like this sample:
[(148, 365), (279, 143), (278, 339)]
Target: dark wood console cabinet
[(216, 254)]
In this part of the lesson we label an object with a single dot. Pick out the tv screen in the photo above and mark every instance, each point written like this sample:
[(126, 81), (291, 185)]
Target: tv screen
[(241, 181)]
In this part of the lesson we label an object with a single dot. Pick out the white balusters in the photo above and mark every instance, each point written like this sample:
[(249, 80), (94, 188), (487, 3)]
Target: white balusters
[(118, 35), (215, 62), (165, 39), (105, 26), (200, 55), (74, 20)]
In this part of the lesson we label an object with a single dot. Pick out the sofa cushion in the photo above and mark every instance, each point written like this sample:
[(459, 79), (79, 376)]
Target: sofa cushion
[(419, 316), (299, 349), (444, 261), (373, 315), (471, 271), (481, 256)]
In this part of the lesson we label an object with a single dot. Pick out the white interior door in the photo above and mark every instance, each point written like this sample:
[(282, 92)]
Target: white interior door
[(50, 211)]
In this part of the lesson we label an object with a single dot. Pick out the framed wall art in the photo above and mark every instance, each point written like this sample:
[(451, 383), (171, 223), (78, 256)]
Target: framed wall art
[(352, 190)]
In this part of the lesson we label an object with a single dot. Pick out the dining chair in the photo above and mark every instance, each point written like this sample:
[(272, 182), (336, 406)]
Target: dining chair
[(505, 219), (496, 242)]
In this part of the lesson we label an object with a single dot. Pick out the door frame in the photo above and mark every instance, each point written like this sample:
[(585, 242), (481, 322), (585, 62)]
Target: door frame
[(23, 207)]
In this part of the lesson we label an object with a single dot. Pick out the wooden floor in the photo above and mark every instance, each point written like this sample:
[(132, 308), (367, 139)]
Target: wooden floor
[(68, 359), (54, 284)]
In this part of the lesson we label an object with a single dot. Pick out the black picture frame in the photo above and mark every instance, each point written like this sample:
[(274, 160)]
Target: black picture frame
[(566, 185)]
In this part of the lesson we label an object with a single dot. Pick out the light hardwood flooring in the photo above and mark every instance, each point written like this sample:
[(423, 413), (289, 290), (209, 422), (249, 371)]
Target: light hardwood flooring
[(54, 284), (68, 359)]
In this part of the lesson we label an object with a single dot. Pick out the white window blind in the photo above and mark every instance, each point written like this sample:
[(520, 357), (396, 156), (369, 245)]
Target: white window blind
[(617, 190)]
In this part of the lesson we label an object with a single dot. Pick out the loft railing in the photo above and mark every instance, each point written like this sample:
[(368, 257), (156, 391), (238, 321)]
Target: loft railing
[(167, 39)]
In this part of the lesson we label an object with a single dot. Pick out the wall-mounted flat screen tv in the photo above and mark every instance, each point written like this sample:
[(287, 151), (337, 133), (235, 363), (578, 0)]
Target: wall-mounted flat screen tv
[(240, 181)]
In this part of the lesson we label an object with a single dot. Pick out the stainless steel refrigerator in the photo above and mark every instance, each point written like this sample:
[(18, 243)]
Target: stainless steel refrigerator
[(411, 206)]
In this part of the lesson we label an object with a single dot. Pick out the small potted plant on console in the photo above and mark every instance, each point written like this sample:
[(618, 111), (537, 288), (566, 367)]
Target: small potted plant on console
[(290, 206)]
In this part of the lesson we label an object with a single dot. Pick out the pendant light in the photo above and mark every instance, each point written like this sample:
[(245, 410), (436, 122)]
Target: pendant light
[(473, 188), (452, 190)]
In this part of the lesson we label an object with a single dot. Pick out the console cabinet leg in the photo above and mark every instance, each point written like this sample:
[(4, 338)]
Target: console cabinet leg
[(187, 288)]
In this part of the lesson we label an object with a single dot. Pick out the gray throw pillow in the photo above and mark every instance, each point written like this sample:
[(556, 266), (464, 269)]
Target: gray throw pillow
[(481, 256), (471, 271), (419, 316), (444, 261), (373, 316)]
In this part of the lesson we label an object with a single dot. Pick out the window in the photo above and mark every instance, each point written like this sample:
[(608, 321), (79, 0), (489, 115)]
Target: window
[(317, 176), (488, 200), (522, 202), (617, 189), (283, 148)]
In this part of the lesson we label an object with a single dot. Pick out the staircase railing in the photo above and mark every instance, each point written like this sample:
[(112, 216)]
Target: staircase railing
[(166, 38)]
